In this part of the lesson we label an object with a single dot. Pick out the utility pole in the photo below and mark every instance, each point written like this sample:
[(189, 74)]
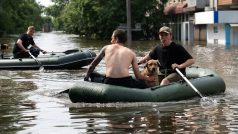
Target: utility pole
[(128, 13)]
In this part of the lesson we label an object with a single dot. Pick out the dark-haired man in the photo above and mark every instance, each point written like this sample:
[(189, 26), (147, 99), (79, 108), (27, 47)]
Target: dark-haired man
[(118, 59)]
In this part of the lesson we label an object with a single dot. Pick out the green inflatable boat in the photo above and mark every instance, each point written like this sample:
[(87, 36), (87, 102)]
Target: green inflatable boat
[(205, 80), (70, 59)]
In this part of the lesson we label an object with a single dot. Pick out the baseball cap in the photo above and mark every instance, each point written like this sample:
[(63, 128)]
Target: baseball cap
[(165, 29)]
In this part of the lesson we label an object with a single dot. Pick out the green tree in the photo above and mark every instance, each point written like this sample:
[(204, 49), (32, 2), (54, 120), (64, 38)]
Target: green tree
[(98, 18), (55, 12), (152, 17), (16, 15), (95, 19)]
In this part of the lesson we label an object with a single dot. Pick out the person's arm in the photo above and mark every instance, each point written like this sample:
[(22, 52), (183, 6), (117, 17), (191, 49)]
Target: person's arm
[(187, 63), (19, 44), (144, 60), (184, 55), (151, 55), (94, 63), (137, 73), (43, 51)]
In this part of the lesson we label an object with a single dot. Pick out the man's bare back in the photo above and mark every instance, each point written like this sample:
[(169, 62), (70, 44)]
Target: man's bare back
[(118, 59)]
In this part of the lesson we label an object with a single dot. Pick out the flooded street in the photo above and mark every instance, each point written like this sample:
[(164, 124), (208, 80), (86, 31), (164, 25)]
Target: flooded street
[(29, 104)]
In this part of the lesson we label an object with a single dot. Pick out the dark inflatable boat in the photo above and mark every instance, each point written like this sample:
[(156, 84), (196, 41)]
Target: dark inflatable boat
[(205, 80), (70, 59)]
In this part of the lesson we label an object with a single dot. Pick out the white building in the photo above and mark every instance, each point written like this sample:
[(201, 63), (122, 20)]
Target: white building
[(213, 21)]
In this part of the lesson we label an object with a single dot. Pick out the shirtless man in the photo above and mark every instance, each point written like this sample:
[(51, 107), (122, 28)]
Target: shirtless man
[(118, 59)]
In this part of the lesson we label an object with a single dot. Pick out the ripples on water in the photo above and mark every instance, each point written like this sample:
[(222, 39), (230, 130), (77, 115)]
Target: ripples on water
[(29, 104)]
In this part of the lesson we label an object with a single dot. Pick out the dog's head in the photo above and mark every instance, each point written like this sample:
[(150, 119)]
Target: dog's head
[(152, 66)]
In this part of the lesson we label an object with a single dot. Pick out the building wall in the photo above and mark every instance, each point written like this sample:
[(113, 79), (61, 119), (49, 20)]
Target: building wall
[(184, 33), (225, 35), (216, 34), (183, 28), (221, 26), (197, 3), (200, 32), (228, 16), (227, 2), (216, 26), (187, 33), (234, 37)]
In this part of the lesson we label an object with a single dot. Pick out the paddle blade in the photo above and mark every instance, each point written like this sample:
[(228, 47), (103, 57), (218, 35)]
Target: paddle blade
[(62, 92), (41, 69), (207, 102)]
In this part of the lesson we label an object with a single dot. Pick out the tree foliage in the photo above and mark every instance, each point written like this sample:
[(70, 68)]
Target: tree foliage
[(98, 18), (16, 15), (91, 18), (55, 11)]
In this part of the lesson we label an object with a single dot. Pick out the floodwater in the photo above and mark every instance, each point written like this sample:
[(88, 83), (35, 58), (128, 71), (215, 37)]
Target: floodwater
[(28, 104)]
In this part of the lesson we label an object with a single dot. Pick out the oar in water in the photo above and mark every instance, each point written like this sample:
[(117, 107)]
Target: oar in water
[(41, 66), (62, 92), (205, 101), (189, 83)]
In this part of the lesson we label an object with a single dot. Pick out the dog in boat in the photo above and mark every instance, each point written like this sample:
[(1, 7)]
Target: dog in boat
[(151, 70)]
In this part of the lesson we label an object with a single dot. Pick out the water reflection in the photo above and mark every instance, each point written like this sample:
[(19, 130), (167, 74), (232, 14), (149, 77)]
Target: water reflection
[(176, 118), (9, 104), (28, 103), (55, 41), (115, 120)]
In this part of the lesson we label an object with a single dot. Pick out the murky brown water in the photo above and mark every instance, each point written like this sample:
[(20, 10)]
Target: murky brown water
[(28, 104)]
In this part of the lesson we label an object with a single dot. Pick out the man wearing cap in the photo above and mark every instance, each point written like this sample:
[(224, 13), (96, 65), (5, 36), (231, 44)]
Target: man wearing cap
[(170, 56)]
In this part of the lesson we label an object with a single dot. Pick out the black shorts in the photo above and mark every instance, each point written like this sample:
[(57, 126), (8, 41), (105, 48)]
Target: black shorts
[(21, 54), (125, 81)]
